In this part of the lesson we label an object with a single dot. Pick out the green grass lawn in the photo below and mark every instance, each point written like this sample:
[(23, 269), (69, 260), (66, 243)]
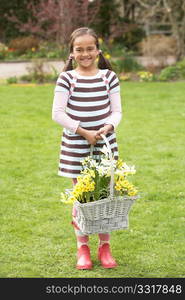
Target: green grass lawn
[(37, 239)]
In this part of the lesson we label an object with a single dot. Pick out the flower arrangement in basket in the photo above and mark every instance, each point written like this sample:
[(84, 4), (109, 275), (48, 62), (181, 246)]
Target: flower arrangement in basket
[(103, 194)]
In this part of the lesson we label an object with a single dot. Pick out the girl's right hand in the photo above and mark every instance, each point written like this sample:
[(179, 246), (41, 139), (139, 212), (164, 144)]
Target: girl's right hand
[(91, 136)]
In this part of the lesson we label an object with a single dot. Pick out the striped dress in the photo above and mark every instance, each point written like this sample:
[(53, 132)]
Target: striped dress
[(88, 103)]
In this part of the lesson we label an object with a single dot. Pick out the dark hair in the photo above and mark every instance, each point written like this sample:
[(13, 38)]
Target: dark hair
[(103, 63)]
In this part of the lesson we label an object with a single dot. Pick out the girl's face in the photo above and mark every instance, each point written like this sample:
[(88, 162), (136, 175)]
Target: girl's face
[(85, 51)]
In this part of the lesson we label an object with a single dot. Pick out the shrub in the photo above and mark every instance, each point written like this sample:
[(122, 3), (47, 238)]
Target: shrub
[(22, 44), (33, 78), (37, 73), (3, 47), (158, 46), (127, 63), (3, 50), (174, 72), (169, 73), (181, 67), (11, 80), (131, 37), (26, 78), (47, 50)]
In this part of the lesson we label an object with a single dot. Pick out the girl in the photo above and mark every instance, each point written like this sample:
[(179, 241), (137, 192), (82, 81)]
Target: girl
[(86, 103)]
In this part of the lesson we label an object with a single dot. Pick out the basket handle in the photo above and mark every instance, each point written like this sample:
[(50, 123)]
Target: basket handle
[(111, 163)]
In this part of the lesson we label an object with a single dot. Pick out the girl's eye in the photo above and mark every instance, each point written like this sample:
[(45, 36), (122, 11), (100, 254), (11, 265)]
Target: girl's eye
[(88, 49)]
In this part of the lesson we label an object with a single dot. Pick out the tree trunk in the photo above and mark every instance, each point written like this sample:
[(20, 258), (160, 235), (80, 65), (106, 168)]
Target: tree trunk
[(176, 13)]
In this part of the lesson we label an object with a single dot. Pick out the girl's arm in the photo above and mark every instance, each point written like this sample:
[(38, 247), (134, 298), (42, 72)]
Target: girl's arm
[(59, 115), (58, 112), (116, 110), (115, 116)]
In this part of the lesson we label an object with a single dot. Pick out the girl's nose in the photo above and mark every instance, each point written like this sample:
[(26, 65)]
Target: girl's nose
[(85, 53)]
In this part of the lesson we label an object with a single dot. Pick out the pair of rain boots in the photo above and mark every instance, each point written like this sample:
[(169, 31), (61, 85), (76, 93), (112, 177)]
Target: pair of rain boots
[(104, 255)]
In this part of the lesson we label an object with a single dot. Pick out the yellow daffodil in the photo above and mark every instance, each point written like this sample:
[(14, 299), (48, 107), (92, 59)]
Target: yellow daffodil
[(119, 163), (132, 192), (100, 40), (67, 200), (107, 56)]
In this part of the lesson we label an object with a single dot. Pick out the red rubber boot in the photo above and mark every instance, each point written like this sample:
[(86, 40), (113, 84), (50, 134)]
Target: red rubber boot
[(105, 257), (84, 260)]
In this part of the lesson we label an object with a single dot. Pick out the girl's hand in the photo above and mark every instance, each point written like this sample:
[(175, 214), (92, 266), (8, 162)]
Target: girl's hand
[(90, 136), (104, 130)]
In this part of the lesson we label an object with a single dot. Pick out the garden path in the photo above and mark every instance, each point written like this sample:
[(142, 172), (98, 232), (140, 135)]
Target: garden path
[(15, 68)]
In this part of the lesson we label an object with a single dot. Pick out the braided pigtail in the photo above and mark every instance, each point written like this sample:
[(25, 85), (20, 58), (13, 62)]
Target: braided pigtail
[(69, 64), (103, 63)]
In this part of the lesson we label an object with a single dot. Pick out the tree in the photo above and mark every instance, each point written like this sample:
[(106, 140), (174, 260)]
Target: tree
[(165, 11), (176, 15), (107, 14), (54, 20), (17, 8), (115, 22), (127, 9)]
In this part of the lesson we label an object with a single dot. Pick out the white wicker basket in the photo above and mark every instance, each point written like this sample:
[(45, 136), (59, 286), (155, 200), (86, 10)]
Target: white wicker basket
[(103, 215), (107, 214)]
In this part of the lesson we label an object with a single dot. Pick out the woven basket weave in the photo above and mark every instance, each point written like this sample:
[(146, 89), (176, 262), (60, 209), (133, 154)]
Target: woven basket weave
[(103, 215), (107, 214)]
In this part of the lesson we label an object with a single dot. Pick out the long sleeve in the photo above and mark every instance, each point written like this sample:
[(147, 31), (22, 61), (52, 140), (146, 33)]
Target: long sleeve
[(116, 110), (59, 114)]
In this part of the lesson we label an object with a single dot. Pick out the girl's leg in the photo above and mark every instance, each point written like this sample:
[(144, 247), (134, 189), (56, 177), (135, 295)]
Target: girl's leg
[(104, 252), (83, 251), (104, 238), (74, 181), (81, 238)]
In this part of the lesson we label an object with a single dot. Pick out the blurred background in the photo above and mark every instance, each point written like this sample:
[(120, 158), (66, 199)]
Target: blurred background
[(144, 39)]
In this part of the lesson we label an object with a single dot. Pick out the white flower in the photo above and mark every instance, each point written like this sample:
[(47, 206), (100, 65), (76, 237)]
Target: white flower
[(86, 160), (129, 169), (101, 170), (93, 163), (105, 151), (125, 169), (119, 172), (105, 162)]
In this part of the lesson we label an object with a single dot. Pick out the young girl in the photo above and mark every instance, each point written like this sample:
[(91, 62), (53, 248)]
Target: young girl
[(86, 103)]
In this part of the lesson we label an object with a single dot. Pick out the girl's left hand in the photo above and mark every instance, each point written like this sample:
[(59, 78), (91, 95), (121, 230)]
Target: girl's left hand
[(104, 130)]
